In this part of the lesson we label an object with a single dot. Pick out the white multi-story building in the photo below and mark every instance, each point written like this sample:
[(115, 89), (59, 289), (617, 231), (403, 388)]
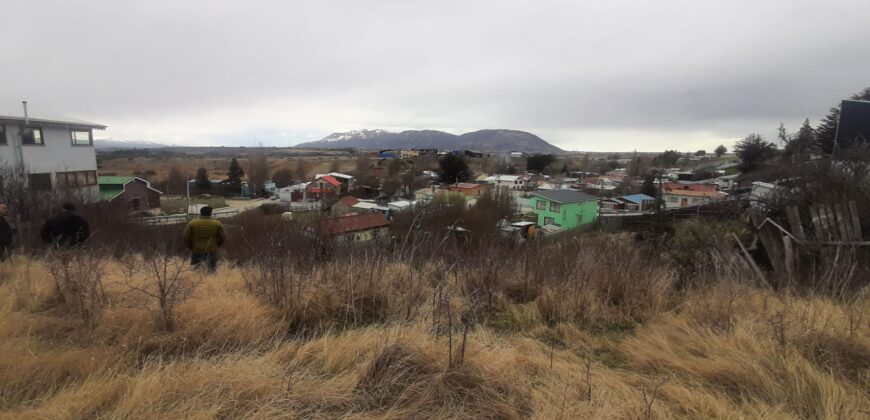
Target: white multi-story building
[(56, 153)]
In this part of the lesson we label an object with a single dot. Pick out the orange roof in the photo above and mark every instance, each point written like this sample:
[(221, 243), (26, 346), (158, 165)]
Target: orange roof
[(689, 187), (692, 190), (355, 223), (331, 179)]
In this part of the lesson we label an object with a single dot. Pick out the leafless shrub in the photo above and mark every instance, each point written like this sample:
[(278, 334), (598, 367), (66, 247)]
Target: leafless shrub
[(167, 280), (78, 278)]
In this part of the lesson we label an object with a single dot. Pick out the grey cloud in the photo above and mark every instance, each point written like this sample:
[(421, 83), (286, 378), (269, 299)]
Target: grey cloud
[(212, 71)]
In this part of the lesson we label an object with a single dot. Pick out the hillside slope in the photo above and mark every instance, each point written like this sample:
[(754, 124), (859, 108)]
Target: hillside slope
[(348, 345), (483, 140)]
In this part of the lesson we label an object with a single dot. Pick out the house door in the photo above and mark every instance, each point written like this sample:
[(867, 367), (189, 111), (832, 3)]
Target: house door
[(684, 202)]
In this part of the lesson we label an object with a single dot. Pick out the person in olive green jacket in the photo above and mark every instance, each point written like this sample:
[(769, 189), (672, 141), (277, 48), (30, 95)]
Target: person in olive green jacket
[(203, 236)]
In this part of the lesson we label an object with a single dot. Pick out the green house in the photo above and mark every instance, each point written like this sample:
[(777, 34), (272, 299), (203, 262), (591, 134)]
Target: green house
[(566, 209)]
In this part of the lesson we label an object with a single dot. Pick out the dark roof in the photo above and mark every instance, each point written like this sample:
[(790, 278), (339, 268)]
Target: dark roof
[(565, 196)]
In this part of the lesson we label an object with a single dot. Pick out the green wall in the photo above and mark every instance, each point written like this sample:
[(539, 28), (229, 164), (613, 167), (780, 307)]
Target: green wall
[(570, 215)]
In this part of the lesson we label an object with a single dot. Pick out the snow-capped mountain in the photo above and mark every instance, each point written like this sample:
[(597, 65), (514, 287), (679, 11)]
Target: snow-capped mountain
[(483, 140), (355, 134)]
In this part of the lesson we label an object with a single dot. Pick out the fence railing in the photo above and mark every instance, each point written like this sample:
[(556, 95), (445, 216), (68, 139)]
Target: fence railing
[(173, 219)]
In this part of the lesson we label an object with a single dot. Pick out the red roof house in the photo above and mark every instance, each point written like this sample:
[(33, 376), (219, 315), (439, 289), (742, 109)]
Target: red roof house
[(360, 227)]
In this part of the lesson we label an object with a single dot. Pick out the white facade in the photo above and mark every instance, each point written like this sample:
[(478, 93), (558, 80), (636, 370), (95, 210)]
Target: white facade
[(512, 182), (58, 154)]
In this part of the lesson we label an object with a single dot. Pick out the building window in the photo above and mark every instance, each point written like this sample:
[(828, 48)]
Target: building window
[(81, 138), (541, 205), (549, 221), (32, 136), (3, 135), (554, 207), (76, 179), (672, 199), (39, 182)]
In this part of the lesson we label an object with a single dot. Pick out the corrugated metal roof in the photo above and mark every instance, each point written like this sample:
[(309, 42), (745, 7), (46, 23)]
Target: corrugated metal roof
[(565, 196), (637, 198), (114, 180), (46, 118), (355, 223)]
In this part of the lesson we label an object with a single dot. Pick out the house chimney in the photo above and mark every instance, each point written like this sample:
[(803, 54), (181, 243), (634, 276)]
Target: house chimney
[(26, 119)]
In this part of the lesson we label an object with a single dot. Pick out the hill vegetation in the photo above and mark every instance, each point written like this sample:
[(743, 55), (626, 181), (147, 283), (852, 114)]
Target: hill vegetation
[(586, 326)]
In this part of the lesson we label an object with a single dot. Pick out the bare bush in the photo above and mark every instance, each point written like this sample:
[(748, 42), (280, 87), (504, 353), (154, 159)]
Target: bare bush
[(78, 280), (166, 278)]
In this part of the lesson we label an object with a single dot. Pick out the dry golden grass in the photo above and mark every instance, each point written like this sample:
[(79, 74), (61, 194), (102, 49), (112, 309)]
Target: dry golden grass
[(725, 352)]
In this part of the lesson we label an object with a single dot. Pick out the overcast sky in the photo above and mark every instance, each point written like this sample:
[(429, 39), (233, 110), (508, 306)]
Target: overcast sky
[(584, 75)]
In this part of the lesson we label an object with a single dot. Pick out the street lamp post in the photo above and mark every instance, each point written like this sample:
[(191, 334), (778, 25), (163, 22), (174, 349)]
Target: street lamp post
[(187, 211)]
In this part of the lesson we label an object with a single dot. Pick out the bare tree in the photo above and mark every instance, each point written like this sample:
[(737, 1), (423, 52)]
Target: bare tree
[(258, 171), (175, 181), (301, 169), (282, 177)]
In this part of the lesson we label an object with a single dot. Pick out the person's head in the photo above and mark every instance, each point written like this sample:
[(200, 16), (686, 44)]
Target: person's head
[(68, 207), (2, 209), (205, 211)]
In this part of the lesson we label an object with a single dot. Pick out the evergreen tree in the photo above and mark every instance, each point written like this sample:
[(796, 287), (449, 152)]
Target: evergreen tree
[(234, 176), (752, 151), (801, 144), (453, 169), (539, 162), (649, 185)]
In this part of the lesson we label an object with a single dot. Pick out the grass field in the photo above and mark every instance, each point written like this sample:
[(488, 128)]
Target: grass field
[(367, 339)]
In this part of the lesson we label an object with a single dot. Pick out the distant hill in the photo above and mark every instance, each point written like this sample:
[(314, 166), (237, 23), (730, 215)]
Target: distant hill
[(483, 140), (127, 144)]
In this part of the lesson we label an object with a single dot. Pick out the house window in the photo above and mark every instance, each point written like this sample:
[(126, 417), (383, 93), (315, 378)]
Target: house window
[(672, 199), (549, 221), (136, 203), (32, 136), (76, 179), (554, 207), (3, 135), (541, 205), (39, 182), (81, 138)]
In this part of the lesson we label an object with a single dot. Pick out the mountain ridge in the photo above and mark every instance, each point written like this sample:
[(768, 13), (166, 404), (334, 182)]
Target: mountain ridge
[(487, 140)]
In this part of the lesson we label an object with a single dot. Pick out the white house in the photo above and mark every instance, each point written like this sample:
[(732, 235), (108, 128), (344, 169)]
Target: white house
[(57, 153), (513, 182), (289, 192)]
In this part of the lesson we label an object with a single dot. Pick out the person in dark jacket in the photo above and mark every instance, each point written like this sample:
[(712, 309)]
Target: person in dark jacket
[(67, 229), (5, 234)]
